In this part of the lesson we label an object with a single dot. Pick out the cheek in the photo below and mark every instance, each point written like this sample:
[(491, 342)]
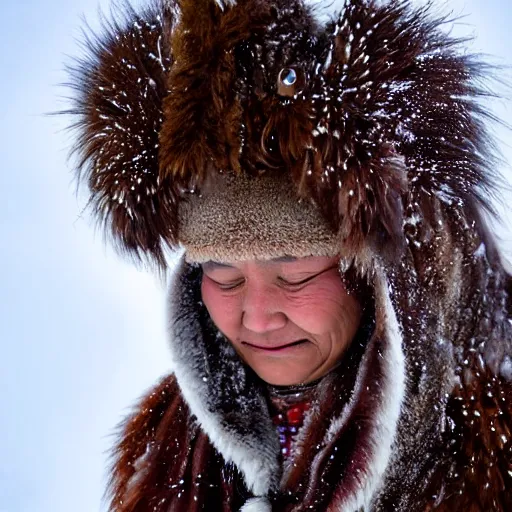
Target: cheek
[(223, 308), (326, 307)]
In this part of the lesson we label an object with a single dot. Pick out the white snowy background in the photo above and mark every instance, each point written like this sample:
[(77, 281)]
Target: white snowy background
[(83, 333)]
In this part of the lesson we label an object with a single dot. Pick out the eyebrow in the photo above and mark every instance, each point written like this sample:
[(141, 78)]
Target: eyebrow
[(216, 264), (284, 259)]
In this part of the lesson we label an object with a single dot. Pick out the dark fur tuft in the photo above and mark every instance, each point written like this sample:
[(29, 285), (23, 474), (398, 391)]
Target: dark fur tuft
[(120, 85), (202, 131)]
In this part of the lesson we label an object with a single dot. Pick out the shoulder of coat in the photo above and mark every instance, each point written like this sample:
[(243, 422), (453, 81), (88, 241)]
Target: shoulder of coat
[(159, 421)]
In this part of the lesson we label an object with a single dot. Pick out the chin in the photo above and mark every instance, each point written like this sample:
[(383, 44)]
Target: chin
[(279, 380), (286, 376)]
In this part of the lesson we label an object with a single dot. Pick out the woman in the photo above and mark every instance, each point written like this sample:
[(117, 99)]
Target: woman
[(340, 322)]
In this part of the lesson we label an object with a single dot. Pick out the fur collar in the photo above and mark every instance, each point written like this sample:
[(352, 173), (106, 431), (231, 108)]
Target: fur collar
[(228, 402), (222, 394)]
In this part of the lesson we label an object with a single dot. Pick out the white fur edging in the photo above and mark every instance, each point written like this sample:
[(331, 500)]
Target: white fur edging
[(393, 390), (257, 505)]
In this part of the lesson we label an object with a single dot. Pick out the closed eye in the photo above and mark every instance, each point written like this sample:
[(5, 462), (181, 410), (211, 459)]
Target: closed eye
[(297, 284), (228, 286), (291, 285)]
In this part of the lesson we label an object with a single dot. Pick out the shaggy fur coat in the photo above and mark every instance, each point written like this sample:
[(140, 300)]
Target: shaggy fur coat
[(376, 115), (417, 419)]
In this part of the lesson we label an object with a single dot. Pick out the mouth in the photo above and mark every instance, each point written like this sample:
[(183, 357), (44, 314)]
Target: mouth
[(275, 348)]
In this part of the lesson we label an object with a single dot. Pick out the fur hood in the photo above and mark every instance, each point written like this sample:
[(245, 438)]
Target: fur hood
[(376, 117)]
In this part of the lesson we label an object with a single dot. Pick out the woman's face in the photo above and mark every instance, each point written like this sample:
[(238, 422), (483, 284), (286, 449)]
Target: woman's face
[(289, 319)]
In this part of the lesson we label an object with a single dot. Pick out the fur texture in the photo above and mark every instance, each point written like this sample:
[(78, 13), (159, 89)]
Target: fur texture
[(383, 114), (257, 505), (120, 86)]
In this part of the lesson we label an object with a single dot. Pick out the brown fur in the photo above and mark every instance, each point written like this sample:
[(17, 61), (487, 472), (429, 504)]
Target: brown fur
[(366, 134), (120, 90), (201, 133)]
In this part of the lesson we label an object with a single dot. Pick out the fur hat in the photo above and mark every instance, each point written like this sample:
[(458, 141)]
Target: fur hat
[(357, 123), (243, 217)]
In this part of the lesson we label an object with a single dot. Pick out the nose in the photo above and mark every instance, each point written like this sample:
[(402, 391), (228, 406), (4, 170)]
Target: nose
[(262, 310)]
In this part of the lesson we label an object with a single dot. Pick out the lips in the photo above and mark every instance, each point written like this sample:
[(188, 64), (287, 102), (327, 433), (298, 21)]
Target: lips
[(275, 348)]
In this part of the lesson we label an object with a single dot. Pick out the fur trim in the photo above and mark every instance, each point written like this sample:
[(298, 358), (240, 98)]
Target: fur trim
[(257, 505), (253, 447), (383, 431), (265, 221)]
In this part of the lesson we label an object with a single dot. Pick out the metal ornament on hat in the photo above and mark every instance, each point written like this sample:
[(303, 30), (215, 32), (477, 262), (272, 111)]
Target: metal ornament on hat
[(290, 82)]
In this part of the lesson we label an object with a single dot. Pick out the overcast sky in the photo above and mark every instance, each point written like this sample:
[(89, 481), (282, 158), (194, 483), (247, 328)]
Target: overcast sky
[(82, 332)]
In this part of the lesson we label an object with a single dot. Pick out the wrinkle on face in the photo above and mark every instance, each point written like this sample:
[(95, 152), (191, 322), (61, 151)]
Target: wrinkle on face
[(262, 305)]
